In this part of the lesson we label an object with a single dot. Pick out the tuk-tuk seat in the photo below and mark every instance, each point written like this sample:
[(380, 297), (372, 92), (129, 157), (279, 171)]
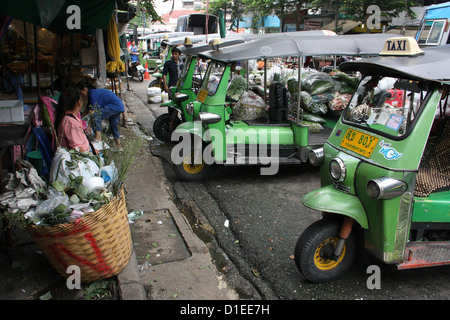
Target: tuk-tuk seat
[(434, 169), (278, 102)]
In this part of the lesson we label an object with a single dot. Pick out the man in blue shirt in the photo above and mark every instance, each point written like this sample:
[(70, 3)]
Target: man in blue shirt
[(106, 105), (173, 68)]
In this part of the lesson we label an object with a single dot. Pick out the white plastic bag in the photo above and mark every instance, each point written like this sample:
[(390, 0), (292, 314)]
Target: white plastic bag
[(63, 167)]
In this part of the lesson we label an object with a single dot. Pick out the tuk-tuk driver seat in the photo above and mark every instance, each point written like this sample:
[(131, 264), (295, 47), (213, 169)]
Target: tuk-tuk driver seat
[(278, 102)]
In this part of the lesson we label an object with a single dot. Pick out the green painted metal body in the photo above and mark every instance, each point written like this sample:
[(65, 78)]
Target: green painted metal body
[(386, 223), (184, 85), (232, 133)]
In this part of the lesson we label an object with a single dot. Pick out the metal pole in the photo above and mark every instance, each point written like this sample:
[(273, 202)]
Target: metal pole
[(299, 109), (28, 52), (37, 63), (265, 82)]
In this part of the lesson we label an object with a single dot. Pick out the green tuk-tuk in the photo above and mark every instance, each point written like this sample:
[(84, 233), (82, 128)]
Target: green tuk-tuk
[(186, 89), (171, 43), (385, 169), (282, 139)]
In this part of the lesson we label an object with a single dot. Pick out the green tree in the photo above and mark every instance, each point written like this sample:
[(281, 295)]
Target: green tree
[(356, 10), (234, 7), (148, 10), (281, 8)]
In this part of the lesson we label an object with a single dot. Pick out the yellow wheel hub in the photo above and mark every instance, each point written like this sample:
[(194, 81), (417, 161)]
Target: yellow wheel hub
[(323, 263), (190, 167)]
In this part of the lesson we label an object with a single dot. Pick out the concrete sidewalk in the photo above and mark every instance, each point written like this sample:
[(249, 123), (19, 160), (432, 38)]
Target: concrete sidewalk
[(169, 261)]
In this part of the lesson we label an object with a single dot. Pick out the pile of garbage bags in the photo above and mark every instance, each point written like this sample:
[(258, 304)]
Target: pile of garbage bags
[(78, 183)]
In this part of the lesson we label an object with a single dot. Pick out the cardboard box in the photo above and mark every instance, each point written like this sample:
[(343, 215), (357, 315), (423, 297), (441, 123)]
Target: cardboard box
[(11, 111)]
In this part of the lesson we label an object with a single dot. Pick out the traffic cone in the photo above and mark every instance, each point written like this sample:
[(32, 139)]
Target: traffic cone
[(146, 73)]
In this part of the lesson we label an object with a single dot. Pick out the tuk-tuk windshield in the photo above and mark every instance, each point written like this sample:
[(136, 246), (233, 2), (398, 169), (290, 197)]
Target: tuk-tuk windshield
[(212, 77), (387, 106), (187, 65)]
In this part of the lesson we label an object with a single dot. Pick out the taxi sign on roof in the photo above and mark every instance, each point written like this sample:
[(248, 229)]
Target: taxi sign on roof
[(401, 46)]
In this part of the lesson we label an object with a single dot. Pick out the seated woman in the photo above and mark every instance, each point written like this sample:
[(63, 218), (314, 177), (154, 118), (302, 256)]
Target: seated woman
[(68, 124)]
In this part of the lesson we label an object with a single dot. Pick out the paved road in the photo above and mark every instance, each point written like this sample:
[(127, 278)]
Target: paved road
[(265, 218)]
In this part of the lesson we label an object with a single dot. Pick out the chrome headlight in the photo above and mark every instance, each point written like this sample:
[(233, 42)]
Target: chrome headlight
[(208, 117), (190, 108), (316, 157), (337, 169), (385, 188)]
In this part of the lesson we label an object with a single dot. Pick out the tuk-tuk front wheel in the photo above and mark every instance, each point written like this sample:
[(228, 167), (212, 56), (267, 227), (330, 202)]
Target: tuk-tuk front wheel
[(314, 252), (165, 125), (188, 170)]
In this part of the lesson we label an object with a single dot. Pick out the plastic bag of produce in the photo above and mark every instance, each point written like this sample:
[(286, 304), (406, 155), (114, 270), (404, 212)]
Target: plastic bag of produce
[(307, 102), (317, 83), (313, 117), (323, 97), (249, 107), (344, 78), (236, 87), (313, 127), (339, 101)]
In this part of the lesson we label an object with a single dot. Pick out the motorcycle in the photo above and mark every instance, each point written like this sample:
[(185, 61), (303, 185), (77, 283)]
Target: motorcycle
[(136, 70), (384, 170)]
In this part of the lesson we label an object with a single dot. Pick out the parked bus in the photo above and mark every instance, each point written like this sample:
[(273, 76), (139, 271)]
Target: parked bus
[(197, 23), (434, 27)]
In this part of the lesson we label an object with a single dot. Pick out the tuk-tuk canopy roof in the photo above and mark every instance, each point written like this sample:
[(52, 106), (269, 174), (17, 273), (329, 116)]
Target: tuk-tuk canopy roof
[(194, 39), (432, 65), (202, 47), (295, 44), (168, 34)]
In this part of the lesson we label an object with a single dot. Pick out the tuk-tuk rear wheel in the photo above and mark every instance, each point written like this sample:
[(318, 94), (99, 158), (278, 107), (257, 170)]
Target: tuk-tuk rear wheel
[(314, 251)]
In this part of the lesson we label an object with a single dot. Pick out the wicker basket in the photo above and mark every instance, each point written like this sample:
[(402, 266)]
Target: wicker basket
[(99, 243)]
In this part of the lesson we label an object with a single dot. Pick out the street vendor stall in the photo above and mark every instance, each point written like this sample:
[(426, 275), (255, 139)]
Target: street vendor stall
[(77, 215)]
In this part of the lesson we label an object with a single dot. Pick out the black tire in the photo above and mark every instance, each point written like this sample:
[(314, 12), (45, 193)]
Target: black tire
[(318, 237), (140, 76), (163, 128), (155, 83), (191, 172)]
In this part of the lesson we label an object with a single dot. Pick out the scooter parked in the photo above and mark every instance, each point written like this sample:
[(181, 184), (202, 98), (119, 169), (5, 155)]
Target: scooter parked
[(136, 70)]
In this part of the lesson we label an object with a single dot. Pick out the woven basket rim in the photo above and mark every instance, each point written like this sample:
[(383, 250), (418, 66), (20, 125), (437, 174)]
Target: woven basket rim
[(73, 223)]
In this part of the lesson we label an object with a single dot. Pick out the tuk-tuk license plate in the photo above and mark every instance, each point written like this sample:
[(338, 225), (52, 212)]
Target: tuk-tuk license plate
[(359, 142), (202, 95)]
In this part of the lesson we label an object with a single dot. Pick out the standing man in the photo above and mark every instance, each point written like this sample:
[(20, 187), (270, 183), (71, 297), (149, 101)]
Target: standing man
[(173, 68), (105, 104)]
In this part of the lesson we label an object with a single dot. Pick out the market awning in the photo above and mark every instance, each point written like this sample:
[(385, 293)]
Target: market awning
[(52, 14), (346, 26)]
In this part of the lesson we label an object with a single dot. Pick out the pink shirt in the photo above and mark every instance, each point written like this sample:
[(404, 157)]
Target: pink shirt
[(71, 134)]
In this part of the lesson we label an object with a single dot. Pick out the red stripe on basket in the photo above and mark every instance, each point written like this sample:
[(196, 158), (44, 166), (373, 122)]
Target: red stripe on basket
[(100, 265)]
